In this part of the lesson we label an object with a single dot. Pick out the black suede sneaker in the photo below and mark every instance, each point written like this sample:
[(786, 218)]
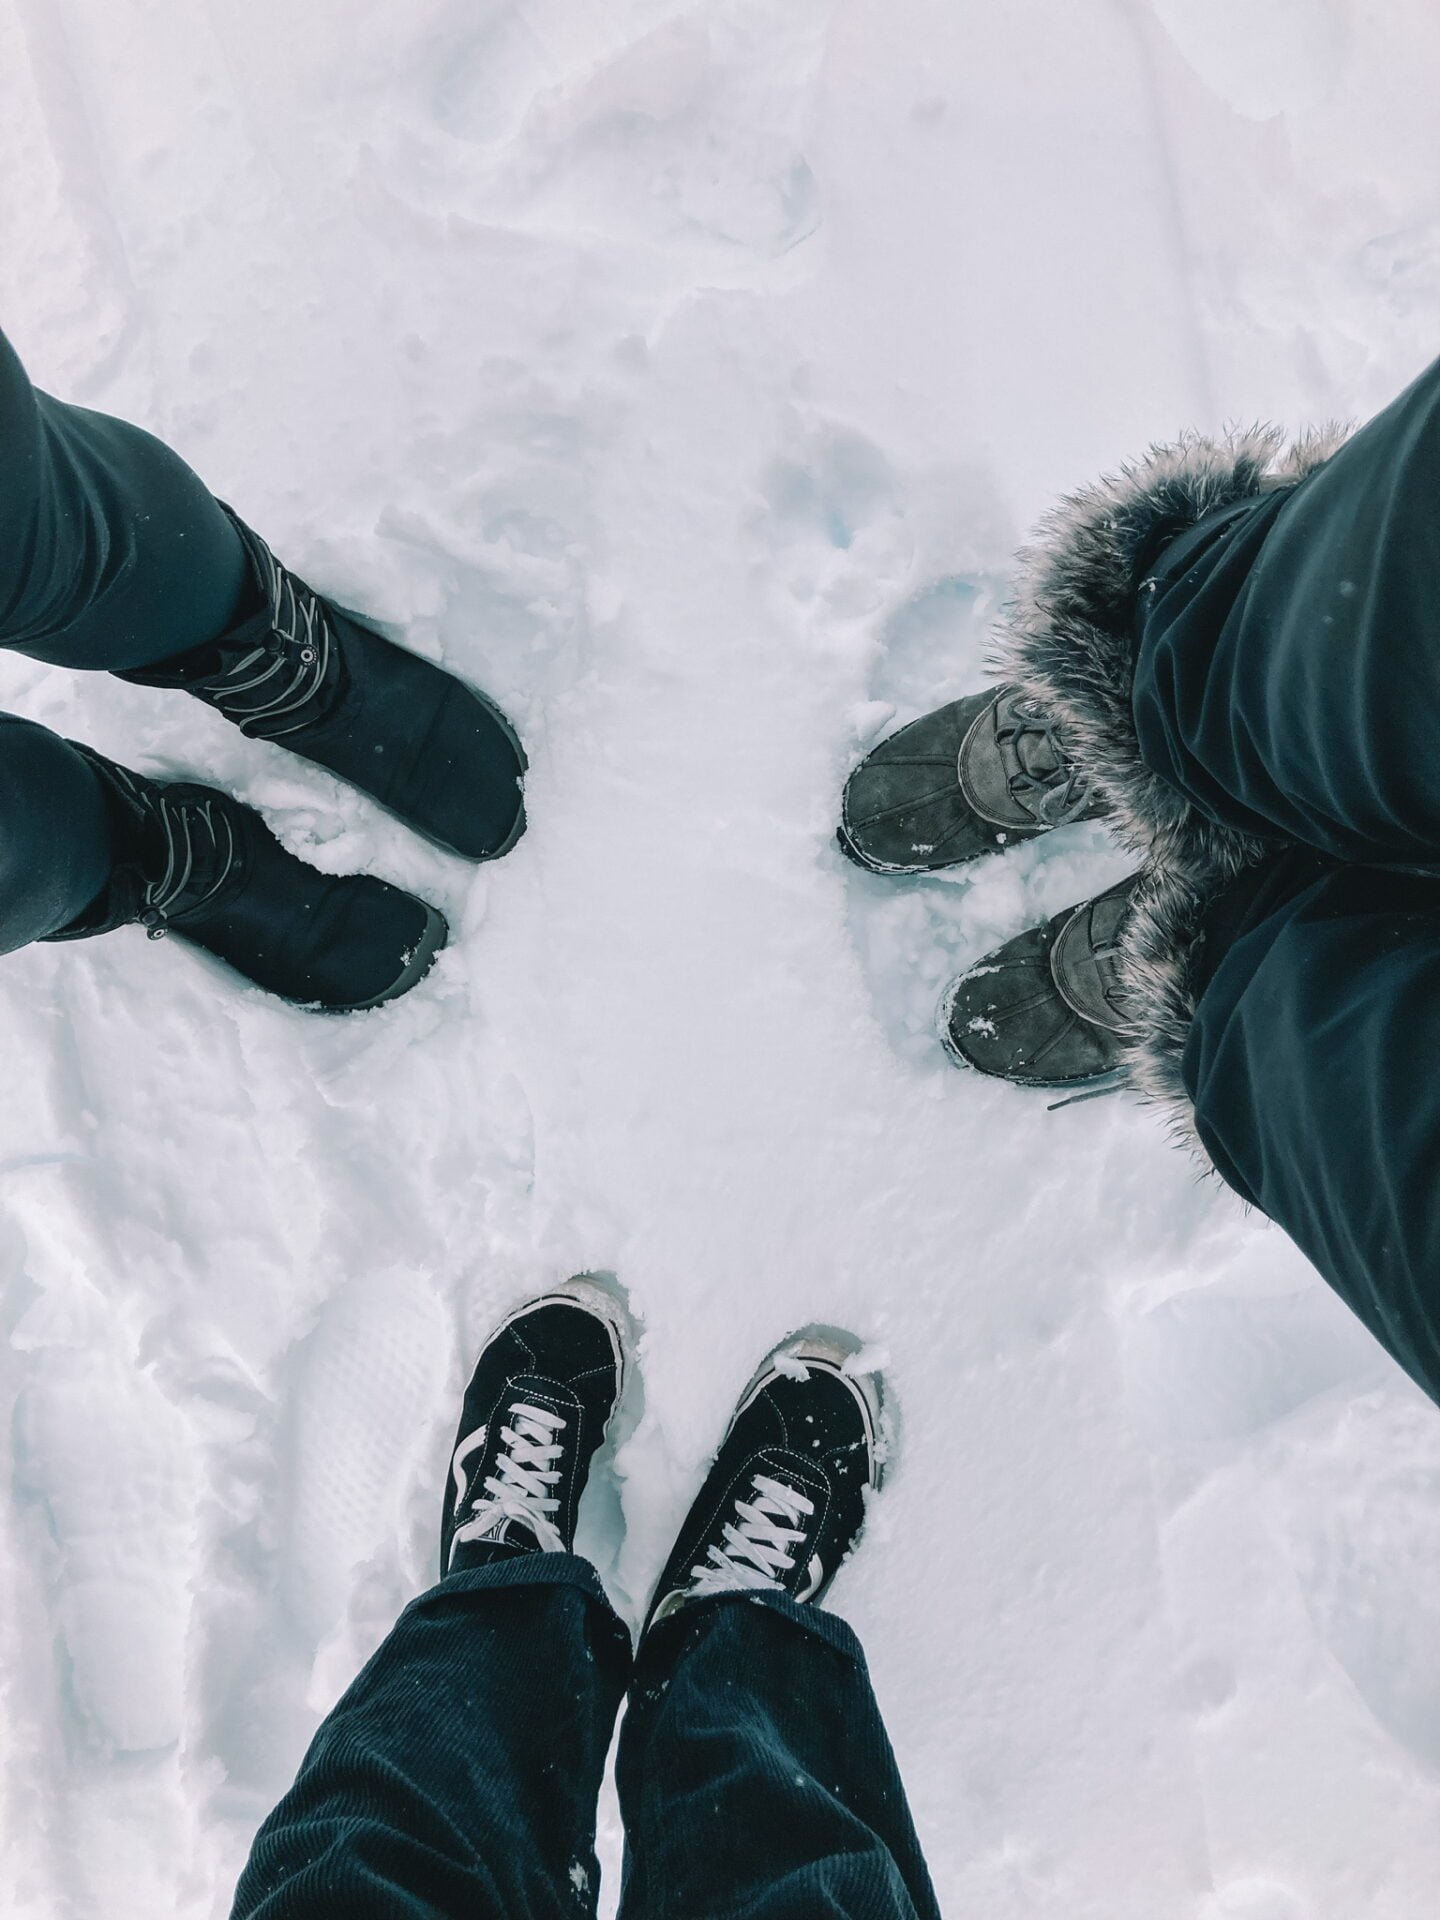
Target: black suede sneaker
[(784, 1501), (1044, 1010), (983, 773), (538, 1405), (193, 861), (299, 672)]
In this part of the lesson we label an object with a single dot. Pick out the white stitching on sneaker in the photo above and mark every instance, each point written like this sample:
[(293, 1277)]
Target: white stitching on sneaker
[(518, 1488), (755, 1552)]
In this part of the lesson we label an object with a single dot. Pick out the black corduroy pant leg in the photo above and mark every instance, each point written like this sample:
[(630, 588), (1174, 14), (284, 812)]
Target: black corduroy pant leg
[(756, 1778), (457, 1778)]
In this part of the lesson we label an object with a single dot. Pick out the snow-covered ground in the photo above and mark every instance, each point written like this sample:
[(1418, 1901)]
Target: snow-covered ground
[(686, 374)]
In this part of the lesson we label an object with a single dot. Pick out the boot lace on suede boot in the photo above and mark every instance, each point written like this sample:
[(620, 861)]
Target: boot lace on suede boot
[(1045, 1010), (537, 1409), (195, 862), (297, 671), (984, 772), (784, 1501)]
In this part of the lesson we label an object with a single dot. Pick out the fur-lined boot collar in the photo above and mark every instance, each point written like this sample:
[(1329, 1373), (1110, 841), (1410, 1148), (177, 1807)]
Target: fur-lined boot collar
[(1066, 638)]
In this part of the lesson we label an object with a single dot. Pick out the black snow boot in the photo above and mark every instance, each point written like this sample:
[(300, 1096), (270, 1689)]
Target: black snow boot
[(543, 1393), (432, 750), (195, 862), (1044, 1010), (985, 772), (784, 1501)]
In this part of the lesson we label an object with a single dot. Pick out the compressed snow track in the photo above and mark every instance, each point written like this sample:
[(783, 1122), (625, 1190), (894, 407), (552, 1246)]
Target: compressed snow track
[(685, 375)]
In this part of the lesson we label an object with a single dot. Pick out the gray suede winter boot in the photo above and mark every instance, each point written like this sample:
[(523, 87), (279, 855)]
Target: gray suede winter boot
[(1045, 1009), (983, 773), (1067, 643)]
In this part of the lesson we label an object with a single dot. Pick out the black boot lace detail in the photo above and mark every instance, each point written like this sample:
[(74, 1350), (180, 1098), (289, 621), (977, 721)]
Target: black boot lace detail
[(195, 850), (268, 691), (1057, 794)]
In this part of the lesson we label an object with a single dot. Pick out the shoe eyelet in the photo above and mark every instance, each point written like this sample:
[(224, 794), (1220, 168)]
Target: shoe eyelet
[(307, 655)]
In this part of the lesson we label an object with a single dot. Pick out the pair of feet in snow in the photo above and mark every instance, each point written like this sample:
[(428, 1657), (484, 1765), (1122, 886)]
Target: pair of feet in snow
[(782, 1503), (193, 861), (984, 773)]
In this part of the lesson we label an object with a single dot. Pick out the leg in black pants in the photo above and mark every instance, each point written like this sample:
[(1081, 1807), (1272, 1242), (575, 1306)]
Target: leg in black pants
[(1312, 712), (112, 553), (458, 1777), (114, 556), (1304, 704), (755, 1775), (1310, 1062), (55, 833), (1249, 648)]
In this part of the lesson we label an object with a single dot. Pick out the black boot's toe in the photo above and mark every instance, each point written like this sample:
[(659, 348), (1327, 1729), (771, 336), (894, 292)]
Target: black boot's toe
[(428, 747), (340, 943), (197, 863)]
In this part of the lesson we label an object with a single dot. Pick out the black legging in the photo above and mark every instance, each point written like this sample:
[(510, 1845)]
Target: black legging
[(112, 555)]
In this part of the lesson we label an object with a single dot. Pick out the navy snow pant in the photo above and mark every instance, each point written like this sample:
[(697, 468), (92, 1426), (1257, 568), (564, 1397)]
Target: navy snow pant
[(457, 1778), (1291, 687), (112, 555)]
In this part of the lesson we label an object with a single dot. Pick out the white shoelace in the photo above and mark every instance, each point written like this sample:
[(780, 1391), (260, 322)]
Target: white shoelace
[(757, 1550), (519, 1487)]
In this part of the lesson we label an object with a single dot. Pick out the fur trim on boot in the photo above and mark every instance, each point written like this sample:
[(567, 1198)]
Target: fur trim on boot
[(1066, 636), (1066, 642)]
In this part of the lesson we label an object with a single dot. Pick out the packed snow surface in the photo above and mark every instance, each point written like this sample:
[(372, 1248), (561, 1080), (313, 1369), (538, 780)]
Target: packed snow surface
[(686, 375)]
